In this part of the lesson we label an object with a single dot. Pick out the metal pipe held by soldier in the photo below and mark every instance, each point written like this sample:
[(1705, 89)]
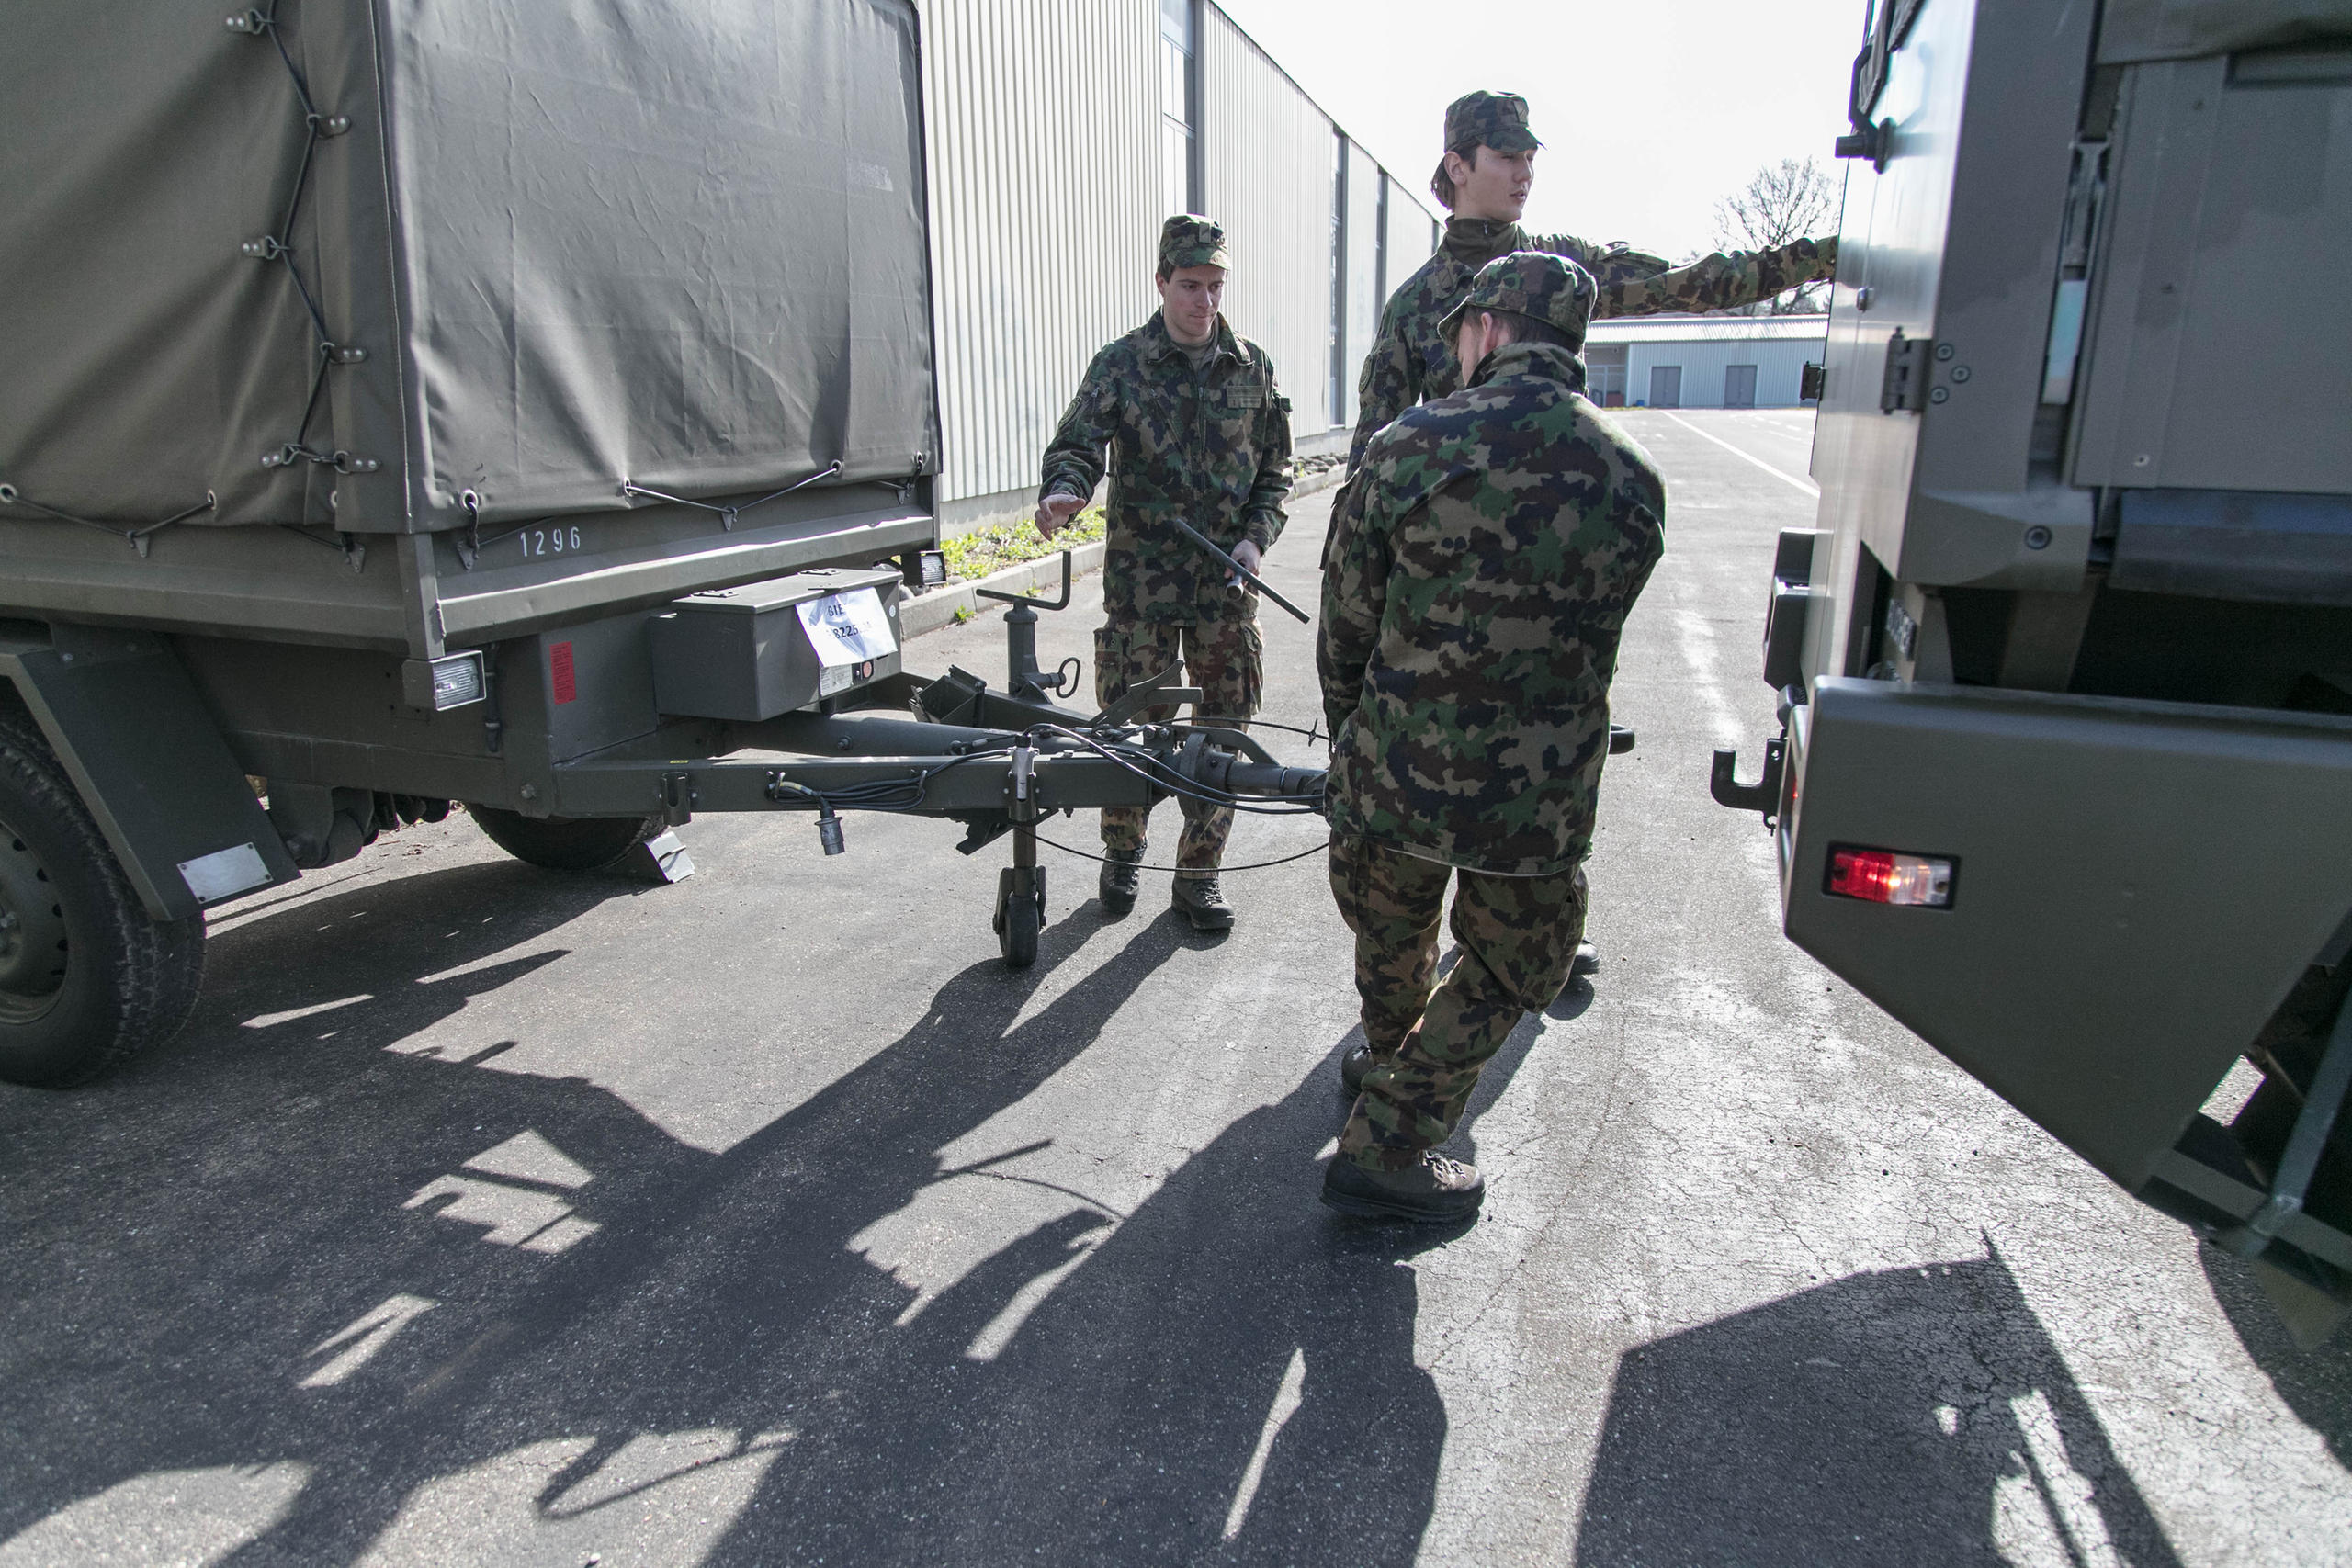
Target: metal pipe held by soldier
[(1251, 578)]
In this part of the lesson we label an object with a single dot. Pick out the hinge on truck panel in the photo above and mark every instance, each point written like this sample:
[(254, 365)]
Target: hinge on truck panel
[(1905, 385)]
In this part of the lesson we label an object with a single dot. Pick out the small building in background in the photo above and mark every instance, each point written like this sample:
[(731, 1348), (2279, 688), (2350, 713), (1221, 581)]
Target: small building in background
[(1702, 362)]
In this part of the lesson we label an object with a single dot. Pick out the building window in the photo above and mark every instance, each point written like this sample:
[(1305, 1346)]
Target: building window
[(1179, 104), (1380, 243), (1740, 386), (1665, 386), (1338, 277)]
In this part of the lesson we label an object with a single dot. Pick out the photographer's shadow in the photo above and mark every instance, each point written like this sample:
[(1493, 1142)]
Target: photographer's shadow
[(1917, 1415)]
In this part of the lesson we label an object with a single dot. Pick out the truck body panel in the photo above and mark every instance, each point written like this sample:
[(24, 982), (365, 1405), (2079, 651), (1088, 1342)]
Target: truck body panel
[(2074, 633)]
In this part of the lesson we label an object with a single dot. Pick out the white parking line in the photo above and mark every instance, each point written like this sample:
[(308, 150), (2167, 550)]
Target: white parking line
[(1806, 485)]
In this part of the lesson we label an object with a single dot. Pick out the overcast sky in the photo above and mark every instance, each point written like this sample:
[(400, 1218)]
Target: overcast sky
[(1649, 110)]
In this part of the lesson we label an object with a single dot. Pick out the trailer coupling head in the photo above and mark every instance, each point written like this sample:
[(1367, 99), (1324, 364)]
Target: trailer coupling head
[(1764, 794)]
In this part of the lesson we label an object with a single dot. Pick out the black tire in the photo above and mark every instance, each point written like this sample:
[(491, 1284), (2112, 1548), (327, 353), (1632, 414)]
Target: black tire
[(566, 844), (87, 979), (1019, 917)]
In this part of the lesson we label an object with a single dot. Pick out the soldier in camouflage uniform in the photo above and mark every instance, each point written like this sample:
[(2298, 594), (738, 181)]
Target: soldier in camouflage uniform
[(1484, 181), (1196, 429), (1475, 586)]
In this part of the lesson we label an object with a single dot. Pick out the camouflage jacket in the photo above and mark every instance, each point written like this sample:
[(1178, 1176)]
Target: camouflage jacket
[(1409, 363), (1210, 446), (1474, 591)]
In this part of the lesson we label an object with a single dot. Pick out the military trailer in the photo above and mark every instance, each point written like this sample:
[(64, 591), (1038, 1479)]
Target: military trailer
[(2065, 781), (409, 404)]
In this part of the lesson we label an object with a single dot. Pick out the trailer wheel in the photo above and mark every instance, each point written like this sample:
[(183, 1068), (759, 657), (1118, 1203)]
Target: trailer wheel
[(566, 844), (1020, 916), (85, 977)]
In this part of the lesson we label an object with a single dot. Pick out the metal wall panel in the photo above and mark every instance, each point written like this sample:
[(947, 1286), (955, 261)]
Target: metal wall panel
[(1044, 128), (1043, 119), (1267, 177), (1412, 232), (1363, 320)]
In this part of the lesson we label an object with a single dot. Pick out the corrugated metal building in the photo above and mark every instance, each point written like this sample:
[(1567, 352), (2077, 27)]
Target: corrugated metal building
[(1061, 132), (1702, 362)]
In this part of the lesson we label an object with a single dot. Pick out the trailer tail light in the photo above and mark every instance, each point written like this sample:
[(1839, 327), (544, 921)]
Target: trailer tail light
[(1882, 876), (436, 685)]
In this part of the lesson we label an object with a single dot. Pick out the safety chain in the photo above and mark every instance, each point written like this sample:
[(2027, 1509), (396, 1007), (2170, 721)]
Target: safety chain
[(138, 536), (278, 248)]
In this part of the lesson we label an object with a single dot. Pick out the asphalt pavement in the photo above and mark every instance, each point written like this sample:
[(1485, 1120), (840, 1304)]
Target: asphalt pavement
[(485, 1214)]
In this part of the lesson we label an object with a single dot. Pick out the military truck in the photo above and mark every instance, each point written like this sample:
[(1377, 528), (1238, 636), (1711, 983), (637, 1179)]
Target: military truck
[(2064, 781), (505, 405)]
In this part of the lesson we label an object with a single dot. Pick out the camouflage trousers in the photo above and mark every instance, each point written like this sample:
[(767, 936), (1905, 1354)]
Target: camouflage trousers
[(1224, 658), (1429, 1041)]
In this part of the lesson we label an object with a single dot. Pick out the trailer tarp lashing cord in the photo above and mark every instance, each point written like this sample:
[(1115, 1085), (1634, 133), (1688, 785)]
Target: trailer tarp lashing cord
[(280, 247), (137, 534), (726, 512)]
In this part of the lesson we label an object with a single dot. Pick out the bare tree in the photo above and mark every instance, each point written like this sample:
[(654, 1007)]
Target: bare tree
[(1780, 203)]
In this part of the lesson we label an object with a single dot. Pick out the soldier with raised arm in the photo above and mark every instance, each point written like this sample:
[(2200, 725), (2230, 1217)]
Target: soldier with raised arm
[(1195, 429), (1484, 181)]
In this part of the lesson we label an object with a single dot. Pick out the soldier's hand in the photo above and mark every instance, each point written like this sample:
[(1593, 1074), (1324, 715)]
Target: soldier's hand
[(1053, 511), (1247, 553)]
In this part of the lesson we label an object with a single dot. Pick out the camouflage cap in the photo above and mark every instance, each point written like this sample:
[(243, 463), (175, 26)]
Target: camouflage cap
[(1186, 240), (1488, 120), (1548, 289)]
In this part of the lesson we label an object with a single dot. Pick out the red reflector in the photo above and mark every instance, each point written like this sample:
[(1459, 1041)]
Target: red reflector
[(566, 684), (1882, 876)]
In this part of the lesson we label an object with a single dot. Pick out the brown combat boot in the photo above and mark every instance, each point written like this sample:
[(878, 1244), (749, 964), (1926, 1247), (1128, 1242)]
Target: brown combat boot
[(1122, 879), (1203, 903), (1433, 1190)]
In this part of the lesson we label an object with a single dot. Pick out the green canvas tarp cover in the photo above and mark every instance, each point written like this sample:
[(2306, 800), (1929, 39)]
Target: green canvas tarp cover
[(572, 242)]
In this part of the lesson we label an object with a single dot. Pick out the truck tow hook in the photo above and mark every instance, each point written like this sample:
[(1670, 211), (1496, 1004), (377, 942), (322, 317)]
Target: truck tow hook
[(1764, 794)]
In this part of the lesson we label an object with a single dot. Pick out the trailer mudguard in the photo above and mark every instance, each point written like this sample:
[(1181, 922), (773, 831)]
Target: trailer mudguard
[(141, 746)]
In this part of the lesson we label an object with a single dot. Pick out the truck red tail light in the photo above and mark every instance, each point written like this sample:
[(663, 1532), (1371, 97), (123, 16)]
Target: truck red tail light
[(1882, 876)]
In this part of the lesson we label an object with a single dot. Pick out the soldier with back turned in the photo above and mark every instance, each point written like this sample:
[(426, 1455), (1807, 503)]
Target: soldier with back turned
[(1477, 582), (1484, 180)]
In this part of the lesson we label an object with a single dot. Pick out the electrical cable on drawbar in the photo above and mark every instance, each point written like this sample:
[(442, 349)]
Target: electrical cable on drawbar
[(1177, 786), (1253, 865)]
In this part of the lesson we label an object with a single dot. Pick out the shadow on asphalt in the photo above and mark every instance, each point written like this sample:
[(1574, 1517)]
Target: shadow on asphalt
[(185, 1246), (1901, 1417), (2316, 1384)]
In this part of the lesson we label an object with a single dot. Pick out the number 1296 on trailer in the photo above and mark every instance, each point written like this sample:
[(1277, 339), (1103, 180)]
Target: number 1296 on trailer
[(557, 541)]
